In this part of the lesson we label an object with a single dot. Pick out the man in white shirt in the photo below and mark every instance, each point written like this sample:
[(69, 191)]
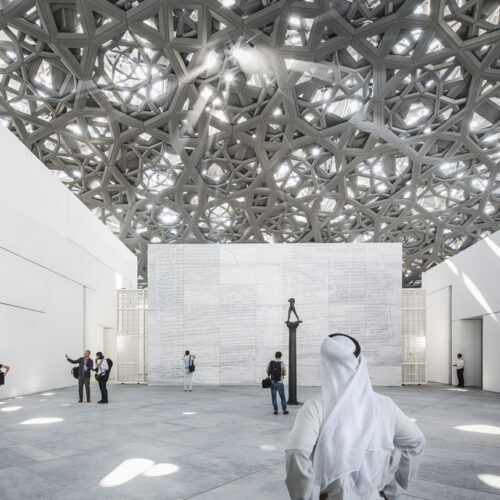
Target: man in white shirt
[(188, 371), (348, 442), (102, 369), (460, 370), (3, 373)]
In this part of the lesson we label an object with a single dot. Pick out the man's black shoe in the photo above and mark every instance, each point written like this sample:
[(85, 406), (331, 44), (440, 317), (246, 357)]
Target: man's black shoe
[(275, 412), (80, 400), (99, 402), (285, 412)]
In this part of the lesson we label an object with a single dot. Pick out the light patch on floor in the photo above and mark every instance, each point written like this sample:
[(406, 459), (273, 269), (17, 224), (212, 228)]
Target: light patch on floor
[(11, 408), (490, 480), (42, 421), (159, 470), (267, 447), (126, 471), (483, 429)]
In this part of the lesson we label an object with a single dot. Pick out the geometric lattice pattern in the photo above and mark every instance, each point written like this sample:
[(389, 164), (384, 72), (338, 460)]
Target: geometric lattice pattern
[(264, 120)]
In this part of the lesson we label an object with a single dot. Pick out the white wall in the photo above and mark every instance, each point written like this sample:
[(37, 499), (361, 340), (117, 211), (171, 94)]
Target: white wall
[(58, 266), (491, 352), (466, 337), (228, 305), (438, 327), (473, 276)]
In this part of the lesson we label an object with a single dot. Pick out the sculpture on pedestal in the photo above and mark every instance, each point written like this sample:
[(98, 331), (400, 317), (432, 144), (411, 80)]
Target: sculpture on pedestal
[(291, 309), (292, 353)]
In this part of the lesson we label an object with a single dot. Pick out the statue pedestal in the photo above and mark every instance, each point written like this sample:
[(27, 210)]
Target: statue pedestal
[(292, 360)]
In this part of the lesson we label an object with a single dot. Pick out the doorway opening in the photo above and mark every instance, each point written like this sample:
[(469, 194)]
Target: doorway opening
[(467, 339)]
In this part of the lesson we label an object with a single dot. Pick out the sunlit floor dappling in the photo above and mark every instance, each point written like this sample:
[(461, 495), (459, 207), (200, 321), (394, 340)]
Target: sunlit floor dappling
[(218, 443)]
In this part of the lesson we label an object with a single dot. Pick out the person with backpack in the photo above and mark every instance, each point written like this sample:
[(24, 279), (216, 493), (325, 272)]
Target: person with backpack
[(276, 369), (85, 366), (188, 371), (103, 367)]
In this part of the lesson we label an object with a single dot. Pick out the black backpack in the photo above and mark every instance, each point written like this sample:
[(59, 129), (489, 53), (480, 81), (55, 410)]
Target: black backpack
[(106, 374), (110, 365), (275, 370), (192, 368), (74, 371)]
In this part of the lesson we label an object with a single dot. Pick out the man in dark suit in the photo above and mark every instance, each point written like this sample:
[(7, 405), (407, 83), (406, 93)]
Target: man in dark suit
[(85, 365)]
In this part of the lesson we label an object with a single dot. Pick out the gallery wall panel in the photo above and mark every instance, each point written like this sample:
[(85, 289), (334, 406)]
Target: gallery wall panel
[(228, 305), (58, 274)]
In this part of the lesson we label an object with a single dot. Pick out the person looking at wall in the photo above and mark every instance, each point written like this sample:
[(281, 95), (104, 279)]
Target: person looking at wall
[(188, 360)]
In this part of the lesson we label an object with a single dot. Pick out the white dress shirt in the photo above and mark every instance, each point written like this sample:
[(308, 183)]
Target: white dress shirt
[(102, 366), (188, 361), (460, 363)]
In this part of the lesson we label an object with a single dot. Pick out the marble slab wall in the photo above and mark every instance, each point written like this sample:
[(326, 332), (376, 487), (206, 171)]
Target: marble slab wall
[(228, 305)]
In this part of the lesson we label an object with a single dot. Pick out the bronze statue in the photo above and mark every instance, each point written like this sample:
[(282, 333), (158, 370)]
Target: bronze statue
[(291, 309)]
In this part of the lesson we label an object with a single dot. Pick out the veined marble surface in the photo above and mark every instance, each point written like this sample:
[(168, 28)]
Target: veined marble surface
[(228, 304)]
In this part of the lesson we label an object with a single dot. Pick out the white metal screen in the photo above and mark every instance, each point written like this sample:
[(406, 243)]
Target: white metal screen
[(413, 337), (131, 337)]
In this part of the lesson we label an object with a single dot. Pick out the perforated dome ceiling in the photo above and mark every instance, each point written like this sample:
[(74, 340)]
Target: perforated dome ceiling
[(265, 121)]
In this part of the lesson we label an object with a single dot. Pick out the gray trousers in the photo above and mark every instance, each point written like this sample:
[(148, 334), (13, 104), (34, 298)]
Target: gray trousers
[(188, 379), (83, 380)]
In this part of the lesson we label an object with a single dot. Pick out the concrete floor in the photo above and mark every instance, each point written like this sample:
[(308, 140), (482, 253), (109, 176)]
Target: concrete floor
[(217, 443)]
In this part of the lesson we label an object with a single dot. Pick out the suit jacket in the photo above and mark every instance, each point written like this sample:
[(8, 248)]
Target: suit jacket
[(81, 363)]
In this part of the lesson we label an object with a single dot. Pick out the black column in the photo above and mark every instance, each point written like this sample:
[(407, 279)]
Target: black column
[(292, 361)]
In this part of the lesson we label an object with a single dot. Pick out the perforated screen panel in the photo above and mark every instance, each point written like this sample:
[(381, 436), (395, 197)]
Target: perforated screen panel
[(131, 337)]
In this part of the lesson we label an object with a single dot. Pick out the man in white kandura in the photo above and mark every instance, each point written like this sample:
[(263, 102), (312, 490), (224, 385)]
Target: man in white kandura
[(349, 443)]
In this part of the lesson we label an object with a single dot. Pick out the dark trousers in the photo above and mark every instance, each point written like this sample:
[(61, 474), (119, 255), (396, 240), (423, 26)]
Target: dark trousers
[(460, 375), (280, 388), (104, 390), (83, 380)]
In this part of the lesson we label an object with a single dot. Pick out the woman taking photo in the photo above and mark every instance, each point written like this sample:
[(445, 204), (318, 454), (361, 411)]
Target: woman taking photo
[(102, 369)]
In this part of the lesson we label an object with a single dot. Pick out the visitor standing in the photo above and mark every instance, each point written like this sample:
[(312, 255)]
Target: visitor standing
[(460, 370), (102, 369), (85, 366), (4, 369), (188, 370), (276, 369), (348, 441)]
